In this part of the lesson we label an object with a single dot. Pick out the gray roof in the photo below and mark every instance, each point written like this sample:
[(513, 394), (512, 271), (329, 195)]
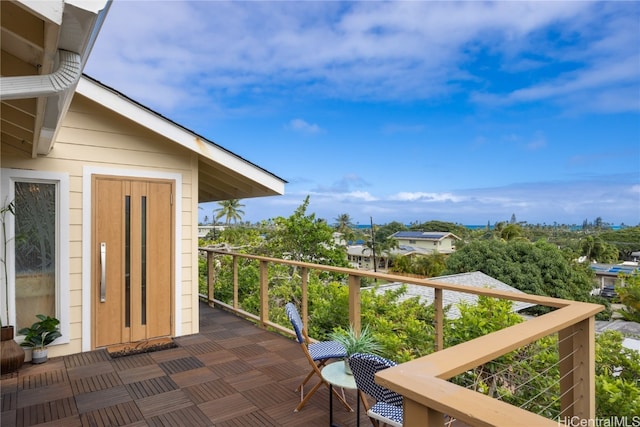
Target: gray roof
[(628, 329), (477, 279)]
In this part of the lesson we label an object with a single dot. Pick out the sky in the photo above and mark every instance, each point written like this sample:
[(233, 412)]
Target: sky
[(467, 112)]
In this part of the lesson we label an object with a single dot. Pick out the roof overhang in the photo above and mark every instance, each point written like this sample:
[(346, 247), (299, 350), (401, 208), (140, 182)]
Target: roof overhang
[(45, 45), (222, 175)]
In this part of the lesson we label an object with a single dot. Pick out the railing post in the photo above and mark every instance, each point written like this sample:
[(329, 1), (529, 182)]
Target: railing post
[(304, 276), (576, 347), (438, 319), (235, 282), (354, 302), (417, 415), (211, 278), (264, 293)]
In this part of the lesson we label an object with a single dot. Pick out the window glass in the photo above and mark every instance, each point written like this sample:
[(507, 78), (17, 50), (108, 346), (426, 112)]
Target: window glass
[(35, 251)]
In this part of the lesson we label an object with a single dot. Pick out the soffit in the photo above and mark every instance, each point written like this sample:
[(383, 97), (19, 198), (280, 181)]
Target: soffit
[(28, 45)]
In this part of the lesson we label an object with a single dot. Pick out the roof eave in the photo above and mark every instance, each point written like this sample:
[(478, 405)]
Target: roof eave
[(264, 183), (70, 26)]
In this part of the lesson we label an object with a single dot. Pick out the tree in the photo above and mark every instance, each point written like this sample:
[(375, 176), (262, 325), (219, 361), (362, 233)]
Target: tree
[(344, 225), (511, 231), (229, 209), (380, 245), (626, 240), (538, 268), (443, 226), (629, 293), (431, 265), (617, 373), (302, 237), (594, 248)]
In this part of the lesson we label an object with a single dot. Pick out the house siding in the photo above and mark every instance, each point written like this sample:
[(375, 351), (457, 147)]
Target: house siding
[(445, 245), (95, 137)]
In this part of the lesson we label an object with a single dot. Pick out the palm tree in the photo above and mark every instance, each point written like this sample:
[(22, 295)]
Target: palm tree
[(229, 209), (344, 225)]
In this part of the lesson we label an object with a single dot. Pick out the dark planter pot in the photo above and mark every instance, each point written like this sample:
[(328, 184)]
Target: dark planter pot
[(12, 354)]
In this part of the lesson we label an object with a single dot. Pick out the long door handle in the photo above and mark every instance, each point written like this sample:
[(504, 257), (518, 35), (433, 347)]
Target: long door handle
[(103, 272)]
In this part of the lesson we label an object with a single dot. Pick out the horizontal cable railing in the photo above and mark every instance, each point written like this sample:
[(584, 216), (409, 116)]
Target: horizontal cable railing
[(530, 381), (429, 384)]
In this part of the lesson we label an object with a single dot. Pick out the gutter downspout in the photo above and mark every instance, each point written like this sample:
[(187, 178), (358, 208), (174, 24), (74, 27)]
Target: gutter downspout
[(65, 77), (56, 89)]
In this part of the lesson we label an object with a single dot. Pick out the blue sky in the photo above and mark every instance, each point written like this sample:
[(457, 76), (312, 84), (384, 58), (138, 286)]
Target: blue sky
[(466, 112)]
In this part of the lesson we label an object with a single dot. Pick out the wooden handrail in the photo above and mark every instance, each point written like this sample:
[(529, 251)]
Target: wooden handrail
[(455, 360)]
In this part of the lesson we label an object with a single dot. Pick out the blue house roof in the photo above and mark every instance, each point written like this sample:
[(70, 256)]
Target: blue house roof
[(614, 269)]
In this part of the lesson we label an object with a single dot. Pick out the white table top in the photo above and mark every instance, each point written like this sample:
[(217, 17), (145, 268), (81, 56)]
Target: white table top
[(334, 374)]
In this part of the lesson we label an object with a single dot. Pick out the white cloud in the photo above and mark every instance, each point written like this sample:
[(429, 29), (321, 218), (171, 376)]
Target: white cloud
[(573, 203), (424, 197), (300, 125), (390, 50)]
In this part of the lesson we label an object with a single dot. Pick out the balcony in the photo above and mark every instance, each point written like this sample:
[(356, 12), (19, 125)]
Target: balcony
[(241, 369), (430, 395)]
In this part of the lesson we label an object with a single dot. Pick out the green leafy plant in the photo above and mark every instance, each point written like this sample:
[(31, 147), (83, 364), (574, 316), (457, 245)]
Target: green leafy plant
[(629, 295), (353, 342), (41, 333)]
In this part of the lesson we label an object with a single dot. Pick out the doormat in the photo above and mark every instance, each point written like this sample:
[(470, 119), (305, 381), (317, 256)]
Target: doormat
[(141, 347)]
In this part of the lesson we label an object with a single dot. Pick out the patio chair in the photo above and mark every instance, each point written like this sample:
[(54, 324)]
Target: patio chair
[(387, 408), (317, 354)]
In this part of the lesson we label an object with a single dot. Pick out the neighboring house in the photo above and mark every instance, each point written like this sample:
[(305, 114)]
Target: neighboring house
[(361, 257), (431, 241), (410, 243), (105, 232), (451, 298), (204, 230), (607, 274)]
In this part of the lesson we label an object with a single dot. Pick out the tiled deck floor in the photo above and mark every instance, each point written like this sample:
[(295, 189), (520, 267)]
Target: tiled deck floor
[(230, 374)]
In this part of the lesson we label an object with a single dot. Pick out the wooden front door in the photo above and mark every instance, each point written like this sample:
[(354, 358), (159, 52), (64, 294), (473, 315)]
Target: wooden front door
[(133, 243)]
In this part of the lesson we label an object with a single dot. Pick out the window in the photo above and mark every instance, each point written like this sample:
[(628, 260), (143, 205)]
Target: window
[(36, 246), (35, 250)]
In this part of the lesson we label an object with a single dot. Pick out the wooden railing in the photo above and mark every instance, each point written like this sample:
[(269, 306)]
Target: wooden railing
[(423, 382)]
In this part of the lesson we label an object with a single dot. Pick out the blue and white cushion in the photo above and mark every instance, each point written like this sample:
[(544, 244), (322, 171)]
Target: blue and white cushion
[(388, 406), (384, 412), (327, 350), (319, 350)]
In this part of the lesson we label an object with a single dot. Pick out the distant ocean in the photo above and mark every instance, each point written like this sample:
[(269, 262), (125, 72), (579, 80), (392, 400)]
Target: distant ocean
[(478, 227), (471, 227)]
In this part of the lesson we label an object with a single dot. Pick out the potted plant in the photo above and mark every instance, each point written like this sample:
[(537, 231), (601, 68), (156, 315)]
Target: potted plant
[(39, 336), (364, 342)]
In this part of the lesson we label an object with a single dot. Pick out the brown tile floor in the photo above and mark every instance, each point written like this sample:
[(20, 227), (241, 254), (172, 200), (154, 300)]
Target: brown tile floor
[(230, 374)]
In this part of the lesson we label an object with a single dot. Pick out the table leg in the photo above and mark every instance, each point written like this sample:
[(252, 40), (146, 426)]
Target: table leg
[(331, 405), (358, 410), (331, 424)]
